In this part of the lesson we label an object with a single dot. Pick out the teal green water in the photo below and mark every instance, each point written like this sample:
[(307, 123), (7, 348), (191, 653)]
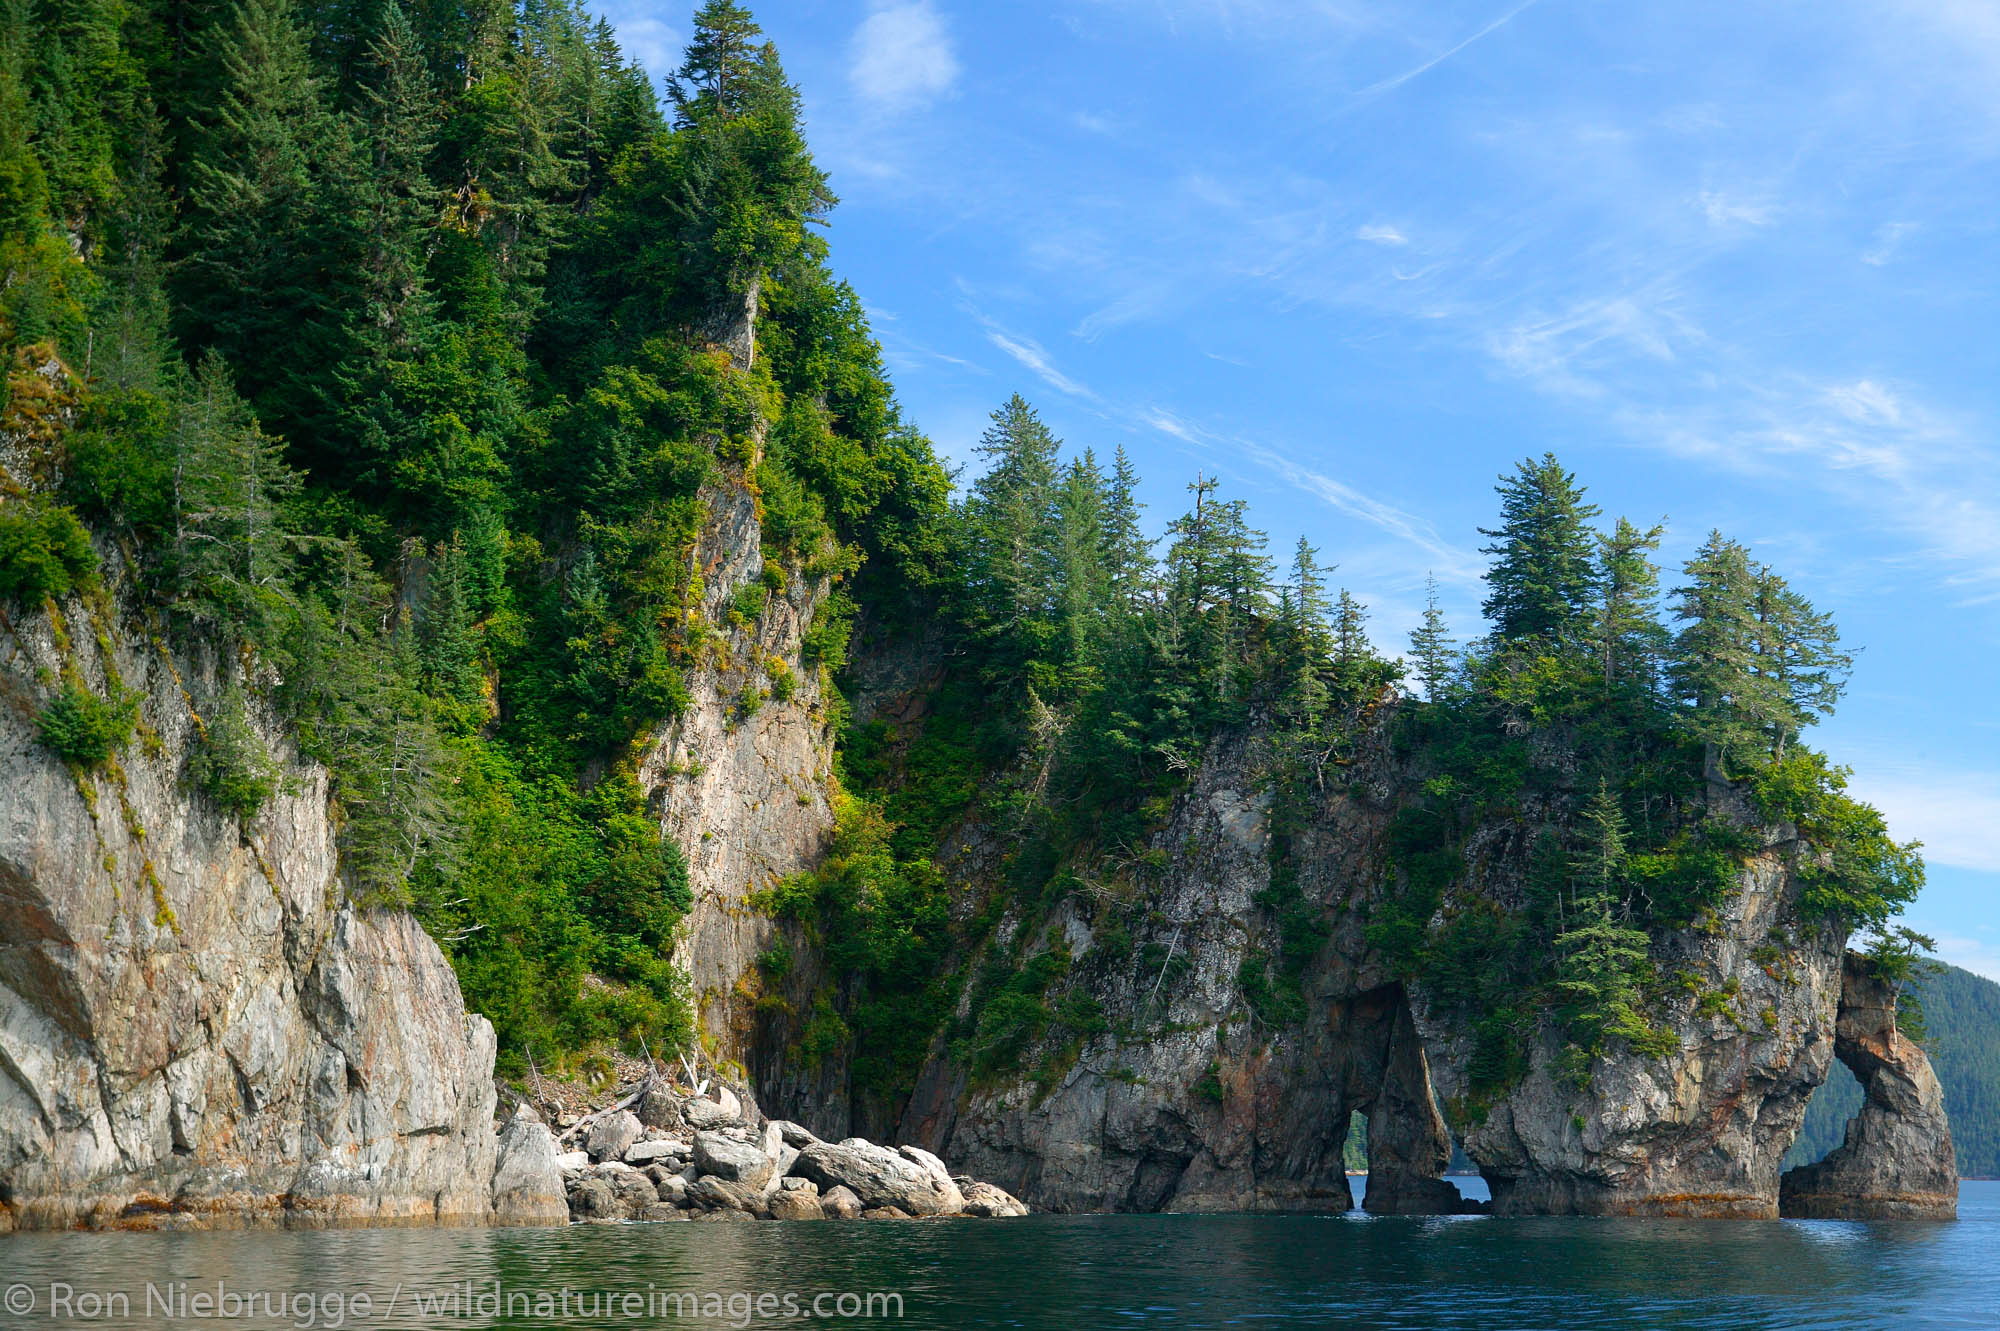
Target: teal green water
[(1055, 1272)]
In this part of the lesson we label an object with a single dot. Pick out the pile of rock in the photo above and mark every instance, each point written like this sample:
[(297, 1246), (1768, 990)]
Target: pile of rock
[(664, 1157)]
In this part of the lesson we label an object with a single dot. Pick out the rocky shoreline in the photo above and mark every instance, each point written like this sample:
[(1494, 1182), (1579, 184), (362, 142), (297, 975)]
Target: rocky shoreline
[(661, 1155)]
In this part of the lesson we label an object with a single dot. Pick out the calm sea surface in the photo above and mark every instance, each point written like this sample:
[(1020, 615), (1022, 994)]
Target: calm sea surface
[(1046, 1271)]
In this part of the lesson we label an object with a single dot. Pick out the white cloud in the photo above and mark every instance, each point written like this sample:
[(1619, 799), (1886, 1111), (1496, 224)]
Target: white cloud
[(1031, 355), (1866, 403), (1955, 814), (903, 57), (1381, 235), (1399, 80), (1888, 239), (1450, 563), (1727, 210)]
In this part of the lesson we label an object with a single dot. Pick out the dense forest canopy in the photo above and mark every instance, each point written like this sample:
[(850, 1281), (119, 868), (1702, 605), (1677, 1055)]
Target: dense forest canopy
[(323, 303)]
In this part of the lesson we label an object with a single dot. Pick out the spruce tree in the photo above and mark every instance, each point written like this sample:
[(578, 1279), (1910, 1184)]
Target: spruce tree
[(262, 244), (1799, 661), (1128, 554), (1630, 638), (1543, 578), (1432, 646), (1013, 530), (1713, 665), (720, 76)]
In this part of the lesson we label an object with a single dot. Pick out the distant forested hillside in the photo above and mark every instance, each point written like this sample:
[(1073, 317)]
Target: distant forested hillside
[(1962, 1017)]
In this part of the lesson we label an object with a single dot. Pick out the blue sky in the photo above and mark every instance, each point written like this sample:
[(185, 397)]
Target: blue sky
[(1735, 264)]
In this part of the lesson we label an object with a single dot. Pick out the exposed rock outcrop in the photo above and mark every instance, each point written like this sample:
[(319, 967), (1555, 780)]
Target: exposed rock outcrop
[(740, 778), (1189, 1101), (1897, 1161), (195, 1028)]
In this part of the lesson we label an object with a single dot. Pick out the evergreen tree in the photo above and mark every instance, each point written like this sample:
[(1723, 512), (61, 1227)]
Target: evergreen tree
[(1630, 638), (1304, 642), (1432, 646), (1350, 630), (1543, 578), (1128, 554), (1713, 667), (261, 248), (1083, 580), (1799, 662), (722, 75), (397, 200), (1013, 530), (231, 546)]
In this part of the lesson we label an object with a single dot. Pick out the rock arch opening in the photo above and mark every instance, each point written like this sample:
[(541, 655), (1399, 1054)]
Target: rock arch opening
[(1895, 1160)]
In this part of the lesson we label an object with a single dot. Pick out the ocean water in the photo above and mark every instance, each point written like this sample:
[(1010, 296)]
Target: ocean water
[(1045, 1271)]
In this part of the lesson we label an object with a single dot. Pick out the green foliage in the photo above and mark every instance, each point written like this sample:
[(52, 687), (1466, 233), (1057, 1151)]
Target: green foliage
[(1853, 871), (86, 729), (44, 552), (231, 763)]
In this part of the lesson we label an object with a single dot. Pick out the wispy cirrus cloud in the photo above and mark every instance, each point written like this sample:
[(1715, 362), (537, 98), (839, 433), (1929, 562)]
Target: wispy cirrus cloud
[(1377, 233), (1398, 80)]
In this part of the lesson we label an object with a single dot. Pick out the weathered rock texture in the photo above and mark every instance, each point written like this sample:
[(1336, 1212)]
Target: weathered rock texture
[(195, 1028), (1189, 1103), (740, 779), (1202, 1110), (1897, 1162)]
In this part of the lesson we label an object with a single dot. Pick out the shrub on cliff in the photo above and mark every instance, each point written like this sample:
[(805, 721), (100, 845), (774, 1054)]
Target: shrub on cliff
[(85, 729), (44, 552)]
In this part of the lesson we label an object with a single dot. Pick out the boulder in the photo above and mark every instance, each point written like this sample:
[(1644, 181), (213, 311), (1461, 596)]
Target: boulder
[(613, 1135), (659, 1107), (794, 1135), (737, 1161), (570, 1162), (800, 1203), (645, 1153), (950, 1200), (671, 1188), (527, 1178), (783, 1157), (654, 1212), (703, 1115), (722, 1194), (839, 1203), (886, 1213), (879, 1177), (595, 1199), (987, 1201)]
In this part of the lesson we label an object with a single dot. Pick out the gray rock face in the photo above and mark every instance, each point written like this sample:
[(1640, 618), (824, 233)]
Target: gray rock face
[(527, 1182), (613, 1135), (737, 1161), (1897, 1162), (194, 1030), (1188, 1103), (983, 1199), (740, 778), (879, 1177), (1700, 1132)]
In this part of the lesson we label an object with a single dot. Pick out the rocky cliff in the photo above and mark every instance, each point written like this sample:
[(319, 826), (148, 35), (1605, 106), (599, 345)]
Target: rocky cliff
[(740, 779), (1897, 1162), (196, 1027), (1185, 1100)]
